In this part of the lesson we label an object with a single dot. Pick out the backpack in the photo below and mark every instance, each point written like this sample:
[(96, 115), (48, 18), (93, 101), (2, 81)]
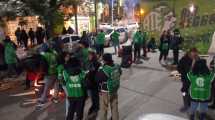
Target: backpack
[(113, 74)]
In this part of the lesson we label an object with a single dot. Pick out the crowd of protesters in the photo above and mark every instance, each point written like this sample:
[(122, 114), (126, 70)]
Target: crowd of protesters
[(90, 72)]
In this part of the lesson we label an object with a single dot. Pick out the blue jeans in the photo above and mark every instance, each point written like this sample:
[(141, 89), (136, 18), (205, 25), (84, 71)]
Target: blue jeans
[(67, 101), (116, 46), (202, 106), (49, 83)]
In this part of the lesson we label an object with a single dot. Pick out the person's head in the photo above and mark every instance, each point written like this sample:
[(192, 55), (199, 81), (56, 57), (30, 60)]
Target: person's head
[(7, 39), (18, 28), (66, 57), (92, 55), (107, 58), (84, 33), (101, 31), (176, 32), (164, 33), (194, 53), (73, 65), (200, 67), (31, 29)]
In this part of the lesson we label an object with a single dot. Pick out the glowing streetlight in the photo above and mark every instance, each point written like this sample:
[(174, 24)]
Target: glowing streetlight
[(192, 8), (142, 12)]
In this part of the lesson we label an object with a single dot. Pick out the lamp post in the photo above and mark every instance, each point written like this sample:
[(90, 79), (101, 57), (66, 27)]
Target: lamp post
[(142, 12), (95, 7)]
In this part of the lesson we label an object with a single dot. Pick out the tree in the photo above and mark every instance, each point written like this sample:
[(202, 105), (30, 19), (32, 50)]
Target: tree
[(47, 10), (74, 4)]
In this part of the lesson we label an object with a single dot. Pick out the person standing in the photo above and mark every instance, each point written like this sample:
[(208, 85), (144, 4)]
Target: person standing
[(10, 56), (115, 40), (74, 78), (185, 66), (31, 34), (50, 77), (40, 35), (92, 84), (164, 47), (200, 88), (24, 38), (100, 41), (175, 43), (137, 46), (108, 78), (2, 61), (144, 45), (212, 66), (18, 36)]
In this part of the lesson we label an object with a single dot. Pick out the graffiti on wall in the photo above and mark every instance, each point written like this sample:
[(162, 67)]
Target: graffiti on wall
[(161, 18)]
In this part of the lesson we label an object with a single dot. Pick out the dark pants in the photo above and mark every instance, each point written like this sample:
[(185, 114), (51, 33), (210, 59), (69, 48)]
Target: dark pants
[(137, 48), (186, 100), (175, 56), (32, 41), (76, 105), (213, 94), (11, 69), (163, 54), (25, 43), (100, 49), (94, 95), (27, 83), (144, 47)]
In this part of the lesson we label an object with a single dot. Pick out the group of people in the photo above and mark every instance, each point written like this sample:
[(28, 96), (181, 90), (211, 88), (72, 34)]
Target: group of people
[(81, 75), (198, 84), (170, 41), (35, 37)]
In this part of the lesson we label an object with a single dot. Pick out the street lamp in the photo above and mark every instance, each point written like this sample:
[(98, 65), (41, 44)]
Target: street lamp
[(192, 8), (142, 12)]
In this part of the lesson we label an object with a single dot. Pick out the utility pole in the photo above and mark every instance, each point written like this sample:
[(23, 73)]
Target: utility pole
[(95, 7), (112, 19)]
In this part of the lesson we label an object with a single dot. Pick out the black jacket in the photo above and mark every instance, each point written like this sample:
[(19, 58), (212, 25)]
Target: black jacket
[(93, 67), (184, 67)]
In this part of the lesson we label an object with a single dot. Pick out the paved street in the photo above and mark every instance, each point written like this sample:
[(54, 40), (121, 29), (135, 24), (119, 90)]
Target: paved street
[(145, 89)]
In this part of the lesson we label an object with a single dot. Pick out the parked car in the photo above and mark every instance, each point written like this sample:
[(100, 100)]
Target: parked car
[(70, 41), (104, 26), (122, 38), (132, 26)]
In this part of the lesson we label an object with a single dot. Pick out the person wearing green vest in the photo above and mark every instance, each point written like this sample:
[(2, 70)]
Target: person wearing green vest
[(164, 47), (60, 69), (115, 40), (84, 54), (100, 41), (212, 66), (50, 56), (201, 80), (108, 78), (74, 82), (137, 41), (144, 36), (10, 56)]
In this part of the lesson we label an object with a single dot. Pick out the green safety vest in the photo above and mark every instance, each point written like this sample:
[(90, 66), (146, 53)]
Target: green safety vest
[(100, 39), (137, 38), (10, 53), (51, 59), (113, 74), (200, 88), (74, 84), (115, 37), (165, 46)]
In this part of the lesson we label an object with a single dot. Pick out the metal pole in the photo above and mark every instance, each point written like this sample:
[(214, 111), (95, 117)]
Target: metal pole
[(95, 7), (112, 12)]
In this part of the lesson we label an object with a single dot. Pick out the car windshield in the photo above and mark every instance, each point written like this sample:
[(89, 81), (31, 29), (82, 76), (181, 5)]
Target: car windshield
[(108, 31), (120, 30), (73, 38)]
